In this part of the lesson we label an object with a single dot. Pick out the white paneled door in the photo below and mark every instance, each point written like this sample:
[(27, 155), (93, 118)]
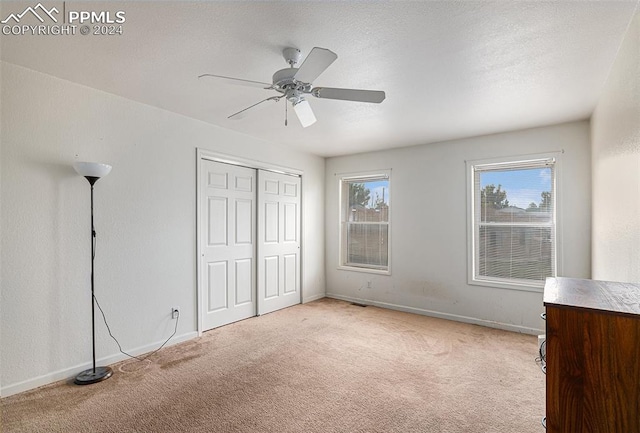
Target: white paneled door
[(228, 240), (249, 239), (278, 241)]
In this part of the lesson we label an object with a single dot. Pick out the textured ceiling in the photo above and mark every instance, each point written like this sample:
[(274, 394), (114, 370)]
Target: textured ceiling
[(450, 69)]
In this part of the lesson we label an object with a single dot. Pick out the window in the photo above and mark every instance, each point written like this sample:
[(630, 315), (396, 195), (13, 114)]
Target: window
[(364, 233), (513, 213)]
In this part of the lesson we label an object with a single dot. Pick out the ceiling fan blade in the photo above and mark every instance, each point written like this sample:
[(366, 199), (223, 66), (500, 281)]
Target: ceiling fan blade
[(239, 81), (242, 113), (374, 96), (305, 113), (315, 64)]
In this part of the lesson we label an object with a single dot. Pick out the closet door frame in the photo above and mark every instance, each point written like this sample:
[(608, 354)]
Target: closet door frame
[(244, 162)]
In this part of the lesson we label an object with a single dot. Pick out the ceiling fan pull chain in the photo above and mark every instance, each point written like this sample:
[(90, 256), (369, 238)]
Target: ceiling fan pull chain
[(286, 113)]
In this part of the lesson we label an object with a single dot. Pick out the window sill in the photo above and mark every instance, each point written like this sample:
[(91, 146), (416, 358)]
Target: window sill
[(365, 270), (507, 285)]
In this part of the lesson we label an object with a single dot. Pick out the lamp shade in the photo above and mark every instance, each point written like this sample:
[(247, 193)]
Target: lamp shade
[(304, 112), (91, 169)]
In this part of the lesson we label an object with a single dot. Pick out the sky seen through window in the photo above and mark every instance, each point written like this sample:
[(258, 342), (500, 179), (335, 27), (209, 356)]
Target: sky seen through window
[(523, 187)]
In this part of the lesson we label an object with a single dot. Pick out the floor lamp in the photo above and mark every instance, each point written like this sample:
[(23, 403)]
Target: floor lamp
[(92, 171)]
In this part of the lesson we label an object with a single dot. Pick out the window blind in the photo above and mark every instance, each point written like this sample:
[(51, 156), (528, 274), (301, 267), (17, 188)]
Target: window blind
[(514, 221)]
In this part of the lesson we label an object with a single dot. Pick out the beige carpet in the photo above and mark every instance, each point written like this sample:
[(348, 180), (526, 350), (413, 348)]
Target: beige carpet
[(327, 366)]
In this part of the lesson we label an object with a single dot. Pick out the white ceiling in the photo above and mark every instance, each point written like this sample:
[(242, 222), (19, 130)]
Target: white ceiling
[(450, 69)]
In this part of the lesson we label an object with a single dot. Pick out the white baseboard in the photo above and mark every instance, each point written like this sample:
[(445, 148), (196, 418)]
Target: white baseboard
[(70, 372), (439, 315), (312, 298)]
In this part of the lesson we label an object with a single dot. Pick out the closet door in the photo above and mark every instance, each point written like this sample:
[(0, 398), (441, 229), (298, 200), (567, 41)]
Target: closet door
[(228, 237), (278, 241)]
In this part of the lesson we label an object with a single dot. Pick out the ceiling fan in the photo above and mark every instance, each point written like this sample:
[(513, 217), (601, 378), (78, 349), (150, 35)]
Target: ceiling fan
[(294, 84)]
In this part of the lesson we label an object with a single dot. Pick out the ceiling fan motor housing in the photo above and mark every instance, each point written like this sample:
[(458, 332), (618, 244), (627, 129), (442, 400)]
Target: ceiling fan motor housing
[(284, 80)]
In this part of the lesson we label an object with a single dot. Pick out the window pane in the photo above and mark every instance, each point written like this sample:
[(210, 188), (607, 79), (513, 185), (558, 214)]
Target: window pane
[(519, 196), (367, 244), (365, 222), (368, 201), (524, 253)]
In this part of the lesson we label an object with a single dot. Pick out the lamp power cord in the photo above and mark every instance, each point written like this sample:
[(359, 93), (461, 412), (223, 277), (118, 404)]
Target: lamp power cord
[(139, 358), (104, 317)]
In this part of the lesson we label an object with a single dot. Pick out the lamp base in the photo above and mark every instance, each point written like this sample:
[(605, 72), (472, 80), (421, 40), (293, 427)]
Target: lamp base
[(88, 377)]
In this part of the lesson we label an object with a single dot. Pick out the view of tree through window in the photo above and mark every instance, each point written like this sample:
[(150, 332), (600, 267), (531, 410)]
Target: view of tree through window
[(366, 223), (514, 224)]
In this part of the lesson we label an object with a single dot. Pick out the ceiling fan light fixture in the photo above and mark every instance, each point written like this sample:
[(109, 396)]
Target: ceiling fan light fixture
[(304, 112)]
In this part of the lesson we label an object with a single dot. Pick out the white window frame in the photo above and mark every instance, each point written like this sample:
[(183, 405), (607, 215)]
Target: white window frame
[(524, 161), (342, 239)]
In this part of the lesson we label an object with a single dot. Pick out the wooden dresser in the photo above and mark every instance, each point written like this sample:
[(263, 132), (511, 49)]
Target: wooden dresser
[(593, 356)]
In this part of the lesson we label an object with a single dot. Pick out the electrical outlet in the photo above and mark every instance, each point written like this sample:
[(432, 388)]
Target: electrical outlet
[(175, 312)]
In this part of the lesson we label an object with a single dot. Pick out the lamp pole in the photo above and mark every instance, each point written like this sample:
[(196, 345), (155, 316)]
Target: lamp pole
[(92, 172), (93, 308)]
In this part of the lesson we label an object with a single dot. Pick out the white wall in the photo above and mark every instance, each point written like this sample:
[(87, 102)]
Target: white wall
[(615, 134), (429, 226), (145, 220)]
